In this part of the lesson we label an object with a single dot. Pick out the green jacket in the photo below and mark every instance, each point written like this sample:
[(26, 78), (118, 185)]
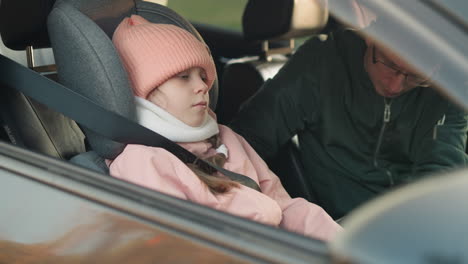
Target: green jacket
[(350, 154)]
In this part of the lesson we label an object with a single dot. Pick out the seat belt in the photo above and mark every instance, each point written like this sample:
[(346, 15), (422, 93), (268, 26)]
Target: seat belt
[(104, 122)]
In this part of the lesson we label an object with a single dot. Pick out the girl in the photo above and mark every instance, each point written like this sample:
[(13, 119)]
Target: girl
[(171, 73)]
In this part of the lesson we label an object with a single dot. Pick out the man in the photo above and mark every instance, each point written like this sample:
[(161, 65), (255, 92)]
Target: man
[(366, 121)]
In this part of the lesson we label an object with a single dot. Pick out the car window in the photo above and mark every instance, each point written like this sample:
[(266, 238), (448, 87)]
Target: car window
[(228, 13), (41, 56)]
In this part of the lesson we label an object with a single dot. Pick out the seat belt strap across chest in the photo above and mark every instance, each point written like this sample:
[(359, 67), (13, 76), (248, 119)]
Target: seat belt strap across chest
[(104, 122)]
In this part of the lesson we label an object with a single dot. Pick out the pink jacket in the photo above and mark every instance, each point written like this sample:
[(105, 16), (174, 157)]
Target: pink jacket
[(160, 170)]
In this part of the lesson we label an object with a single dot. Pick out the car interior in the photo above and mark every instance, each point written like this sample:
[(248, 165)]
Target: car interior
[(69, 43), (27, 123), (79, 33)]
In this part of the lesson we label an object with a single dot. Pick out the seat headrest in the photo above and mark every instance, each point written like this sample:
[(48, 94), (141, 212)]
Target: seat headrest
[(23, 23), (283, 19)]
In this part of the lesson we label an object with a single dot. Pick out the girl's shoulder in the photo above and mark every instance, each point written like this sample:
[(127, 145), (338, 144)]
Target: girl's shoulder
[(224, 129), (235, 142), (141, 153), (142, 149), (228, 136), (227, 131)]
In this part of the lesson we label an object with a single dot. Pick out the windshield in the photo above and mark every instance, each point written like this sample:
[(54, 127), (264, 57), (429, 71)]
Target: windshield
[(428, 34)]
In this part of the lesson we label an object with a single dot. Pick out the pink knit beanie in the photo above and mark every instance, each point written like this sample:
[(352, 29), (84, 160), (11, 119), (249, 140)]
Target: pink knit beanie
[(153, 53)]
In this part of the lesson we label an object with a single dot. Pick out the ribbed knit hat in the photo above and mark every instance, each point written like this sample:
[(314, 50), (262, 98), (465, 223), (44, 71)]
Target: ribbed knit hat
[(153, 53)]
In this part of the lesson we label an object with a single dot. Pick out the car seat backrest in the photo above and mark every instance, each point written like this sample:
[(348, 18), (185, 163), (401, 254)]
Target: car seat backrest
[(34, 126), (80, 32), (270, 23), (24, 121), (88, 64)]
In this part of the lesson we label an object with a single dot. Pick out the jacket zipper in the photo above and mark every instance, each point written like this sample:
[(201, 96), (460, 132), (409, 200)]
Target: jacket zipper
[(439, 123), (386, 119)]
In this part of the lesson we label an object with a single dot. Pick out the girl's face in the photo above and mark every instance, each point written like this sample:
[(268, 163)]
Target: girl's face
[(185, 96)]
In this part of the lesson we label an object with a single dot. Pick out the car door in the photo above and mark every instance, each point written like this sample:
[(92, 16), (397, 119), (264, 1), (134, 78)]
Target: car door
[(55, 212)]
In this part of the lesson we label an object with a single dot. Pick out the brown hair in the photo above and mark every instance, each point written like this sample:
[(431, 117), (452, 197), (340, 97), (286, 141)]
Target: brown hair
[(216, 182)]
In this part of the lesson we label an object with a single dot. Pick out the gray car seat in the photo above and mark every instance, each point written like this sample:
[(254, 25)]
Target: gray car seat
[(80, 33)]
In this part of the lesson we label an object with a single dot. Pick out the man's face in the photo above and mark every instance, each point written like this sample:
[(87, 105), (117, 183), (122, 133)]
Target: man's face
[(391, 75)]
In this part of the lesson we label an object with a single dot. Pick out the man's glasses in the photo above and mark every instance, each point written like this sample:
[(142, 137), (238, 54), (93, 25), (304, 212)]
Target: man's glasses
[(410, 79)]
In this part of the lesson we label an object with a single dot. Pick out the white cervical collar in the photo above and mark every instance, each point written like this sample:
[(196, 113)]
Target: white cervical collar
[(157, 119)]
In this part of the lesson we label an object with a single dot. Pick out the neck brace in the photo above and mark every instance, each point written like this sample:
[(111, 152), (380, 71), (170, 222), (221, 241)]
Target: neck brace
[(160, 121)]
